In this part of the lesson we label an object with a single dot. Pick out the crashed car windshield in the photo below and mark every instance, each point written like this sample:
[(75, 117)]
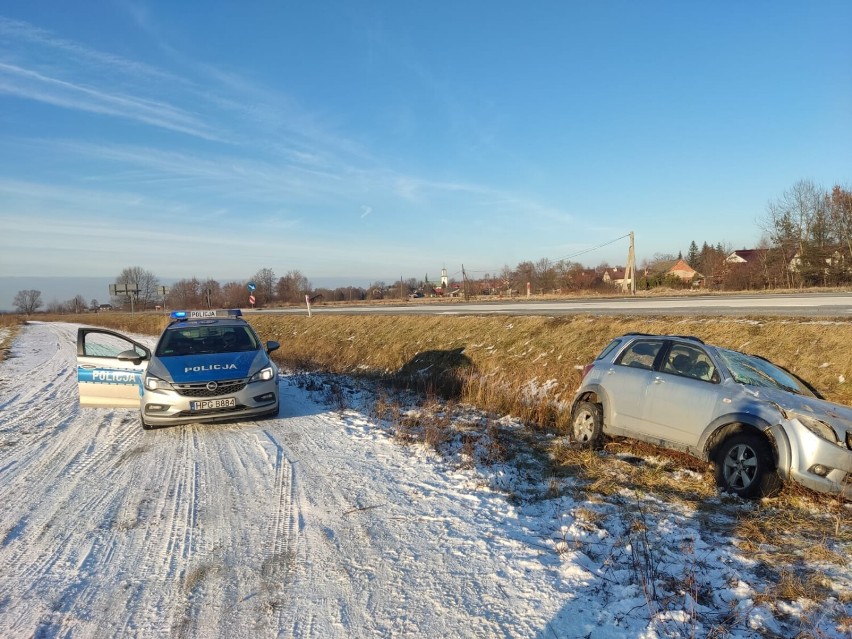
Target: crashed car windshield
[(754, 371)]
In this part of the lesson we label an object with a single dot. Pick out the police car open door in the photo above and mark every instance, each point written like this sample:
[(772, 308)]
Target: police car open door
[(109, 369)]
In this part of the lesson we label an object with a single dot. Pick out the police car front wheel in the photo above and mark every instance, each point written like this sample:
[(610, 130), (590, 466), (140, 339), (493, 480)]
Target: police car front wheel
[(145, 424)]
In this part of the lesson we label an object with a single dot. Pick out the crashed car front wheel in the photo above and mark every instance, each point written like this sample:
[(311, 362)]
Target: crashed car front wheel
[(744, 466)]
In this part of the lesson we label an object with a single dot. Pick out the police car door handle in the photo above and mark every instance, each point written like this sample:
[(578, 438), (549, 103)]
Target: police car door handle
[(88, 366), (658, 380)]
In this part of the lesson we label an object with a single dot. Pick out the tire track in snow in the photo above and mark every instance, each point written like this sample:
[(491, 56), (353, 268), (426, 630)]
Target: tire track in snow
[(280, 562), (74, 533), (33, 386)]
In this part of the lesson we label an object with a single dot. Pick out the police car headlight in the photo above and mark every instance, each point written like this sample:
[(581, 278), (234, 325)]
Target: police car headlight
[(263, 375), (155, 383)]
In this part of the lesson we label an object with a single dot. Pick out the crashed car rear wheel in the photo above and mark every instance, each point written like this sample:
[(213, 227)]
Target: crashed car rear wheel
[(587, 424), (744, 466)]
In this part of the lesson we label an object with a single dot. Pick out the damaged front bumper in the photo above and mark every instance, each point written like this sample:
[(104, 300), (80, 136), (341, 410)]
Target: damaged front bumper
[(818, 456)]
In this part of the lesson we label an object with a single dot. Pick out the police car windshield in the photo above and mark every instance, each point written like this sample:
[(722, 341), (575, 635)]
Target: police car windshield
[(201, 340)]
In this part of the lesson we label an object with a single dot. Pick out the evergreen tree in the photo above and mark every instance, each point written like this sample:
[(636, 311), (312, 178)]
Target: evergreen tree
[(692, 255)]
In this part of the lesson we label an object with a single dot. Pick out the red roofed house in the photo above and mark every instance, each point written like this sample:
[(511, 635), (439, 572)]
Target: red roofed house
[(685, 272)]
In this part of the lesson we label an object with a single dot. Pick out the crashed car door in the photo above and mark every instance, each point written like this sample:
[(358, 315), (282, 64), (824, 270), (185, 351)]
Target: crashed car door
[(628, 380), (683, 397), (109, 369)]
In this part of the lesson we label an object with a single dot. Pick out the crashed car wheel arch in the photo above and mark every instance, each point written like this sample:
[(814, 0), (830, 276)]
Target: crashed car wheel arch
[(745, 465)]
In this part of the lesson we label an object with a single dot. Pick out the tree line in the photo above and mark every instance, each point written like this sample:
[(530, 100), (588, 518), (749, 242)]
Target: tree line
[(806, 241)]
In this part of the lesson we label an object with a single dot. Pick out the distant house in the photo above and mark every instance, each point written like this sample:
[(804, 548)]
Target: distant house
[(615, 276), (685, 272), (747, 256), (105, 307), (833, 258)]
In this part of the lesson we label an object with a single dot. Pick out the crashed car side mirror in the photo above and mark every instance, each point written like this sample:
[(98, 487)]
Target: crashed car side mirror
[(272, 346)]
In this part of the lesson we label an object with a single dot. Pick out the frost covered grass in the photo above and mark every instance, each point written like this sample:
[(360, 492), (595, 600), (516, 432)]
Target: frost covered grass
[(8, 329), (642, 533), (528, 367)]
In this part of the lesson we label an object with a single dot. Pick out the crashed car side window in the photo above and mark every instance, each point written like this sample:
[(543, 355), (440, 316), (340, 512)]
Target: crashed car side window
[(609, 348), (640, 354), (686, 360)]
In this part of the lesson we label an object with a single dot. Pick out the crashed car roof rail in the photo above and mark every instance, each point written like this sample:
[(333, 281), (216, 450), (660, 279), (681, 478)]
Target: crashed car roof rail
[(690, 337)]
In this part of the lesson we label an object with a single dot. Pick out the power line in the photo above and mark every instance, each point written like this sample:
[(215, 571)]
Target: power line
[(595, 248), (573, 255)]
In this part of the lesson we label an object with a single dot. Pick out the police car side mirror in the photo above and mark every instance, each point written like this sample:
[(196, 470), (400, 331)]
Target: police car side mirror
[(271, 346), (130, 356)]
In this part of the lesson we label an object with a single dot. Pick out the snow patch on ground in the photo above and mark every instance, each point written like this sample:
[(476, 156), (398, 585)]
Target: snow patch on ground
[(323, 523)]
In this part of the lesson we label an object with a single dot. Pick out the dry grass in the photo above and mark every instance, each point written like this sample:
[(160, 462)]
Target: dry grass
[(525, 366), (530, 366), (140, 323), (9, 325)]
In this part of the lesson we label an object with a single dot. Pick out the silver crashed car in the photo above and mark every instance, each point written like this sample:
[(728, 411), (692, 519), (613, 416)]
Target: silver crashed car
[(754, 420), (207, 366)]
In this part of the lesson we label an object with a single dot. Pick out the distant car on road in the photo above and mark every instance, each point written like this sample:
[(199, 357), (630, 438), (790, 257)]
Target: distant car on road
[(754, 420), (207, 366)]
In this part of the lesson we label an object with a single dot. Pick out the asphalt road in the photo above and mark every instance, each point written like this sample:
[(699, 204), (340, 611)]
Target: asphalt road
[(831, 305)]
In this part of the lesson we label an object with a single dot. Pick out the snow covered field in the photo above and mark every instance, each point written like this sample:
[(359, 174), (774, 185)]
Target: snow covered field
[(320, 524)]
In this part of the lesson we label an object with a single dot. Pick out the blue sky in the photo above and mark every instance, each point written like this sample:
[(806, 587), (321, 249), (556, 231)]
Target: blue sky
[(373, 140)]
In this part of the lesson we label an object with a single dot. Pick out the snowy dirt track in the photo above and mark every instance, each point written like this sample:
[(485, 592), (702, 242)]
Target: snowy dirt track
[(301, 526), (318, 524)]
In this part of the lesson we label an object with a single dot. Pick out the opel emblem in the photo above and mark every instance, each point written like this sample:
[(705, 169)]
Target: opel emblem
[(211, 386)]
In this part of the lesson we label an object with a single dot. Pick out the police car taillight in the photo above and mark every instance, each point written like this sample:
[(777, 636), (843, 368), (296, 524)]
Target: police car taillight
[(586, 370)]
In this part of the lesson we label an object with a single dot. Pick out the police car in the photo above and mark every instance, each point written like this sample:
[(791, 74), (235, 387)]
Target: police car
[(207, 366)]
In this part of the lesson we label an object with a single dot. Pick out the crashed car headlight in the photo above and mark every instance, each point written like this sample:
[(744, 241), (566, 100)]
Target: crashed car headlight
[(818, 428), (155, 383), (263, 375)]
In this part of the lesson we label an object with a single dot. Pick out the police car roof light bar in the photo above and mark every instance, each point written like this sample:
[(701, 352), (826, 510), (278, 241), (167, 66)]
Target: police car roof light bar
[(188, 315)]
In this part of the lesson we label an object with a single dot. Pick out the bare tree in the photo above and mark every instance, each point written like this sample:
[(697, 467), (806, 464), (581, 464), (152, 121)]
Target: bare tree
[(545, 275), (799, 224), (55, 307), (143, 282), (264, 280), (840, 214), (76, 304), (293, 287), (28, 301), (211, 294), (508, 277), (234, 295), (185, 294)]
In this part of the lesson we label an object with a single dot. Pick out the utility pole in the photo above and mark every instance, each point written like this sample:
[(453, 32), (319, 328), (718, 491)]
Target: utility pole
[(464, 283), (630, 270)]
